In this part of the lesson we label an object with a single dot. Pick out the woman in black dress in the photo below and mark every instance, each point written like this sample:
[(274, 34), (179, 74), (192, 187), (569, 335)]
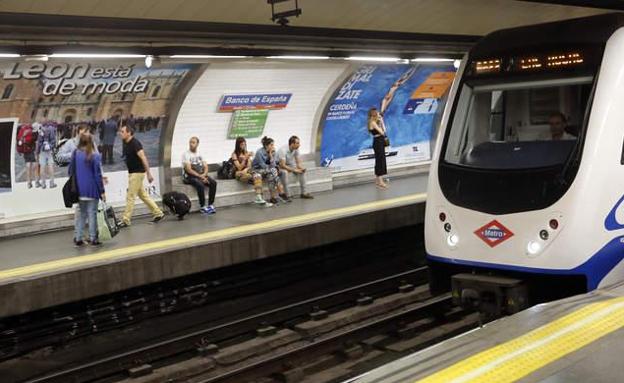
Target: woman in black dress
[(377, 129)]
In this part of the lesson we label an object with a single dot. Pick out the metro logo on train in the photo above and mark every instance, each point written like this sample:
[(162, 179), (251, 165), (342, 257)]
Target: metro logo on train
[(493, 233)]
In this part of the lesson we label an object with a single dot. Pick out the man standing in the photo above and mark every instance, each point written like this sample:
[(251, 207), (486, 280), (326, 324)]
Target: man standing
[(138, 168), (109, 133), (290, 162), (46, 142), (196, 174)]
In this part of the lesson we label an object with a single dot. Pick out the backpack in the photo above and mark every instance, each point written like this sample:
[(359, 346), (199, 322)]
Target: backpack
[(178, 203), (25, 139), (227, 170)]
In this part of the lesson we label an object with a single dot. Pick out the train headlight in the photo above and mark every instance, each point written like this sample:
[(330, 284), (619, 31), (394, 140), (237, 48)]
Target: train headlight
[(452, 240), (533, 247), (543, 235)]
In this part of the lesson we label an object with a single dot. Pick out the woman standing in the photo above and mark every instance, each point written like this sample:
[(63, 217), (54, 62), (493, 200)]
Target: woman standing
[(377, 129), (87, 165)]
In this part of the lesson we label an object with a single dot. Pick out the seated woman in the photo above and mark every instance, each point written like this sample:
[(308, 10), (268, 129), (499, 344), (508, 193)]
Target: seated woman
[(242, 162), (265, 165)]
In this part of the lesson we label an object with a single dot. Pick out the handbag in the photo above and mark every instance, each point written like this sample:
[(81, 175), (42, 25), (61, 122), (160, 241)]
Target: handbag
[(70, 189), (386, 141), (106, 222)]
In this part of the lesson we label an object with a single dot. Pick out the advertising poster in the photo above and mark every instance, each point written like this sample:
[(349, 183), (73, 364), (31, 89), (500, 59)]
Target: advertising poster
[(52, 100), (408, 96)]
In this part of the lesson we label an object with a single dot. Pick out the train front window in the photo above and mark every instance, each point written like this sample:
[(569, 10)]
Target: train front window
[(511, 145), (517, 125)]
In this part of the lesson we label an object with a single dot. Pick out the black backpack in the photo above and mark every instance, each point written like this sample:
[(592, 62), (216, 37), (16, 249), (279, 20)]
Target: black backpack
[(227, 170), (178, 203)]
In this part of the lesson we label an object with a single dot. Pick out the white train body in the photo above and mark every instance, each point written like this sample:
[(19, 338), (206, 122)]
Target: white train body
[(492, 207)]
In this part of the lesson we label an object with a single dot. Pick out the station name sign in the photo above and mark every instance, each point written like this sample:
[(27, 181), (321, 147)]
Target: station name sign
[(232, 102)]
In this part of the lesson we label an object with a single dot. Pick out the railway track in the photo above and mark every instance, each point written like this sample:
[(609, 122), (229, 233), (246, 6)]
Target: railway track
[(276, 341)]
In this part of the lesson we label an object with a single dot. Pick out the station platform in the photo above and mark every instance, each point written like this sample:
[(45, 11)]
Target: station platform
[(46, 270), (578, 339)]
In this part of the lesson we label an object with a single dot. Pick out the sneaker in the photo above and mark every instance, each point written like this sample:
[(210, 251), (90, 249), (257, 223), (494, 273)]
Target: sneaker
[(43, 185), (307, 196), (211, 210), (285, 198), (273, 201), (52, 185), (158, 219), (78, 243), (29, 185), (259, 200), (203, 210), (95, 243), (123, 225), (38, 184)]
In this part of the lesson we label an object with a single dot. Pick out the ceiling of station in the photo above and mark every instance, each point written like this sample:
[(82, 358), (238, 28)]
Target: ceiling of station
[(466, 17)]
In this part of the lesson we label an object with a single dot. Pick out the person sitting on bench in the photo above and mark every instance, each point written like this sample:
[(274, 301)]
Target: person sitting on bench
[(196, 174)]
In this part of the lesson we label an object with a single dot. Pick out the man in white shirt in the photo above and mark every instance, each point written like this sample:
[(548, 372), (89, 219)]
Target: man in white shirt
[(196, 174), (558, 123), (289, 162)]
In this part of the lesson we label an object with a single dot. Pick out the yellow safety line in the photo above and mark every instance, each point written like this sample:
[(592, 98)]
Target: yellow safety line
[(211, 236), (519, 357)]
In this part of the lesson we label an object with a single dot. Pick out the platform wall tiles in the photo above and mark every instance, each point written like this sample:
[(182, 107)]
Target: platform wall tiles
[(306, 83)]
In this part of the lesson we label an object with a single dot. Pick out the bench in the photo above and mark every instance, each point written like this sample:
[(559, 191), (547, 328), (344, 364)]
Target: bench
[(233, 192)]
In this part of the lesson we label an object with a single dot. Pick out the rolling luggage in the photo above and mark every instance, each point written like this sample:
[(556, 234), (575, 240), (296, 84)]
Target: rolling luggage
[(178, 203)]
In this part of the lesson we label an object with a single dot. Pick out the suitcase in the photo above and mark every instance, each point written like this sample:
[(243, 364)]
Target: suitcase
[(178, 203)]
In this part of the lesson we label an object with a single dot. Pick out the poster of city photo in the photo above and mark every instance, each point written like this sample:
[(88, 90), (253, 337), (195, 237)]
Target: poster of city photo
[(54, 101)]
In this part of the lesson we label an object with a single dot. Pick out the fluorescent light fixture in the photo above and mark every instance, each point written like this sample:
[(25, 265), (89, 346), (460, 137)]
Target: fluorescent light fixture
[(149, 59), (3, 55), (299, 57), (430, 60), (206, 57), (96, 55), (370, 58), (457, 64)]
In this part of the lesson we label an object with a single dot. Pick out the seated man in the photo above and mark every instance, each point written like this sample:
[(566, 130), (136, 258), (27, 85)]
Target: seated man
[(289, 162), (196, 174), (558, 124)]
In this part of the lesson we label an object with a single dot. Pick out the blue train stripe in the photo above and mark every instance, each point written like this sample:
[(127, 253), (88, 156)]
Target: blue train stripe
[(595, 268)]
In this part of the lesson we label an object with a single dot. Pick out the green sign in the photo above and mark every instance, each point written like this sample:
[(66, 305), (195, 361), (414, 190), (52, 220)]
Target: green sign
[(247, 123)]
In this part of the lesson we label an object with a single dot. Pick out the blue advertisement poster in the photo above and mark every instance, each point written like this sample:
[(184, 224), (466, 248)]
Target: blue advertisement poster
[(408, 96)]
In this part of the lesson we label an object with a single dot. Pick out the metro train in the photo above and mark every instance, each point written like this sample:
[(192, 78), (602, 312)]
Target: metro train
[(525, 200)]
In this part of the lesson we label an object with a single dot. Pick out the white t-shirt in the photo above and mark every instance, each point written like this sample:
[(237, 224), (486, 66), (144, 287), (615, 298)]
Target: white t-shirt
[(195, 159), (289, 157)]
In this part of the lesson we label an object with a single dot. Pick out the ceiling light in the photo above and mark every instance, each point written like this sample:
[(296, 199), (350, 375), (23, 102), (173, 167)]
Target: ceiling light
[(3, 55), (430, 60), (457, 64), (299, 57), (95, 55), (206, 57), (370, 58)]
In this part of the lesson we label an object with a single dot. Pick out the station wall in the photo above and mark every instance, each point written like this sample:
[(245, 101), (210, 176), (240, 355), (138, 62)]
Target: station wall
[(199, 116), (324, 103)]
